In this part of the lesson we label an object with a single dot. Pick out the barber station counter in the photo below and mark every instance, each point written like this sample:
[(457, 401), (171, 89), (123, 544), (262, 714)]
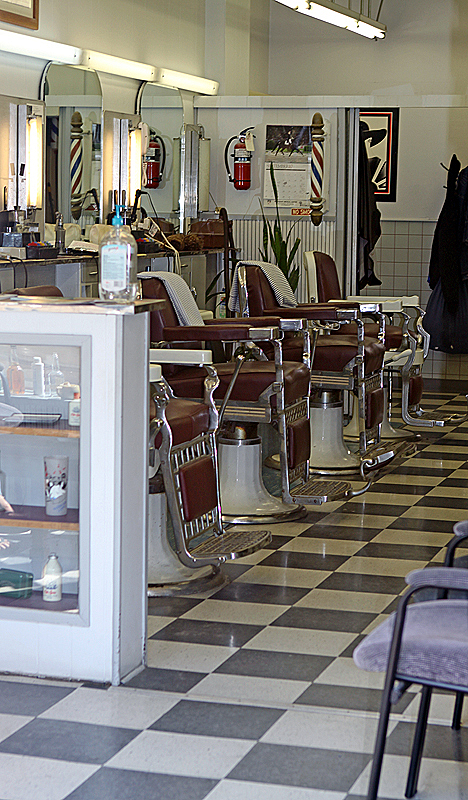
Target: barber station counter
[(90, 511), (77, 275)]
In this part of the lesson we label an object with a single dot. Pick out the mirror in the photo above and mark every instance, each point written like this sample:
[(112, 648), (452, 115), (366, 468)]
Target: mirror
[(73, 170), (161, 110)]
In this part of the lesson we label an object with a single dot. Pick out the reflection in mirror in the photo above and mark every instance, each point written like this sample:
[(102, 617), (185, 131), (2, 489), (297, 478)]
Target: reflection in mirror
[(161, 110), (73, 146)]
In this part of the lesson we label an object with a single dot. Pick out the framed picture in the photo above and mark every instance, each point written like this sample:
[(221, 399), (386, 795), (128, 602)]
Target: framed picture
[(20, 12), (380, 130)]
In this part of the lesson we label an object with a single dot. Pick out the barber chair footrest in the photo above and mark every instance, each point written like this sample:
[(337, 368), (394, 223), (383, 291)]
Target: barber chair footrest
[(315, 492), (431, 419), (232, 544)]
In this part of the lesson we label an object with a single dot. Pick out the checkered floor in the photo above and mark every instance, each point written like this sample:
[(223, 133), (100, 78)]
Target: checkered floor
[(251, 693)]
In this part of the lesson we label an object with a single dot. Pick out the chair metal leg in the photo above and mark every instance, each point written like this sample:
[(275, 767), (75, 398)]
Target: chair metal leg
[(457, 711), (418, 744), (380, 740)]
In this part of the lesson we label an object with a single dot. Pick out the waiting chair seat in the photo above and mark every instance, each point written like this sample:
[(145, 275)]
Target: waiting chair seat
[(434, 648), (253, 379)]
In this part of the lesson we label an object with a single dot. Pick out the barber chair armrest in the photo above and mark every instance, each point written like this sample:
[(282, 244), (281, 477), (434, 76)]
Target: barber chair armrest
[(441, 577), (219, 333), (318, 312), (185, 357), (254, 322)]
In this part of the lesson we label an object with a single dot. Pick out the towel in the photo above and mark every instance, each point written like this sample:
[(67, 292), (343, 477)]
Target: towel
[(180, 295), (281, 288)]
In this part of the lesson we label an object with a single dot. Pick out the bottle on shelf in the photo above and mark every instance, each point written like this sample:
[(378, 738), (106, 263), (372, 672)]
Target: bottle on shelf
[(74, 410), (15, 375), (38, 376), (55, 377), (118, 263), (52, 580)]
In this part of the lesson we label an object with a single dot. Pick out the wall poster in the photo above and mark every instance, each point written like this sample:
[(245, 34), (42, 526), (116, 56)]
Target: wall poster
[(20, 12), (380, 130)]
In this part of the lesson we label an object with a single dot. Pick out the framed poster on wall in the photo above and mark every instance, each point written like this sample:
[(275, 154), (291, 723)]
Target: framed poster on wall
[(20, 12), (380, 130)]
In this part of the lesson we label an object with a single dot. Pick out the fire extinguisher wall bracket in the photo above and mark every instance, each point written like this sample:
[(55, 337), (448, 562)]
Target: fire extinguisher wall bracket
[(242, 158)]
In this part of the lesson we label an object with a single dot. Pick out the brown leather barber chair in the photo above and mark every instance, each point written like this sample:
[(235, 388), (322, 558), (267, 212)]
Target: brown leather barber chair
[(251, 390), (183, 441), (345, 361), (406, 349)]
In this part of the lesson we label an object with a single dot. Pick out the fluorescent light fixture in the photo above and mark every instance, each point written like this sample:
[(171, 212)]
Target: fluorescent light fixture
[(335, 14), (117, 66), (32, 46), (182, 80), (34, 161), (24, 45), (134, 160)]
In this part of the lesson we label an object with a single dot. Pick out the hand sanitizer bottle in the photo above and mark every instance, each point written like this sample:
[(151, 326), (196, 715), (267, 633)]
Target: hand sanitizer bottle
[(118, 264)]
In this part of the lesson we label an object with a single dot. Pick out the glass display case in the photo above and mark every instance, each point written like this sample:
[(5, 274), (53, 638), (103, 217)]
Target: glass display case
[(41, 387), (74, 471)]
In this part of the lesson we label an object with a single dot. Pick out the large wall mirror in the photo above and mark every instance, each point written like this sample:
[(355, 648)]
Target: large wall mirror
[(161, 109), (73, 168)]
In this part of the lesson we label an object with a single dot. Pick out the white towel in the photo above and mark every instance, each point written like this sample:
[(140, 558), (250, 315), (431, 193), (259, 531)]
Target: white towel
[(180, 295), (281, 288)]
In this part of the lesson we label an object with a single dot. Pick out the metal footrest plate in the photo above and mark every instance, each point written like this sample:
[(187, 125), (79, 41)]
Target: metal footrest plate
[(315, 492), (440, 418), (232, 544)]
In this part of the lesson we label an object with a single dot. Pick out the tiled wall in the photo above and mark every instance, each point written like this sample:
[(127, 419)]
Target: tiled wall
[(401, 260)]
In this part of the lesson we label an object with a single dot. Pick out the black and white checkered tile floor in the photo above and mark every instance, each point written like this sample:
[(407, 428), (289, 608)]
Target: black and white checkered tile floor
[(252, 693)]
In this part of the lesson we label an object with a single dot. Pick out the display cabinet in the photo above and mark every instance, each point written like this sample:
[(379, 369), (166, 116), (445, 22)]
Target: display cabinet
[(73, 459)]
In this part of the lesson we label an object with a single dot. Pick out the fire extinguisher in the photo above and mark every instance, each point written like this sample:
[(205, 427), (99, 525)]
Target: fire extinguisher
[(154, 162), (242, 158)]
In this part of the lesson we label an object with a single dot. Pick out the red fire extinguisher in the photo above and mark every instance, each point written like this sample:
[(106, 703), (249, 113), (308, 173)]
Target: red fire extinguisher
[(154, 163), (242, 158)]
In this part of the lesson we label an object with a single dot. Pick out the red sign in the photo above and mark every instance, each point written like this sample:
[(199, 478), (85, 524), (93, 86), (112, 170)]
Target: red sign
[(300, 212)]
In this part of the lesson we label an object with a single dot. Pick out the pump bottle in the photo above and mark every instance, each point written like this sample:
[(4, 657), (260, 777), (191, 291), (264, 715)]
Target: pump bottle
[(118, 264)]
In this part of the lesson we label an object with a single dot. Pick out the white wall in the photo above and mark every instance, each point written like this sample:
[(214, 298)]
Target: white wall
[(424, 52)]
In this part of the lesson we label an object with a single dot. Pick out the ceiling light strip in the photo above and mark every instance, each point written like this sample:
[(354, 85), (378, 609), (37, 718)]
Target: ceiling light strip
[(342, 17)]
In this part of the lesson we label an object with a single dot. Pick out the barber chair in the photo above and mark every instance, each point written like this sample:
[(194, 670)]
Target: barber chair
[(183, 443), (340, 362), (252, 390), (406, 349)]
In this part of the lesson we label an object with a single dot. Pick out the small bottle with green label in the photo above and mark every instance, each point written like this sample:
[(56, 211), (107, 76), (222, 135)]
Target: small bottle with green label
[(118, 264)]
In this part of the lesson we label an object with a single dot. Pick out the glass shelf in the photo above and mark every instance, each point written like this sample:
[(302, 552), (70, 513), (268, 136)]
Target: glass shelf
[(35, 515)]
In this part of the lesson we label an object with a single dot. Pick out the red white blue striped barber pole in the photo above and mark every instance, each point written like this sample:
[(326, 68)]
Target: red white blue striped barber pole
[(316, 169), (76, 163)]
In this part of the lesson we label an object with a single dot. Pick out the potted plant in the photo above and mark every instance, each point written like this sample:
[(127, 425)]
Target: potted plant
[(273, 238)]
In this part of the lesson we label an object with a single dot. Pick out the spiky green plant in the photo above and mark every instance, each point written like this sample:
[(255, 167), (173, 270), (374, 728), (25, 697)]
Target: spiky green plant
[(273, 238)]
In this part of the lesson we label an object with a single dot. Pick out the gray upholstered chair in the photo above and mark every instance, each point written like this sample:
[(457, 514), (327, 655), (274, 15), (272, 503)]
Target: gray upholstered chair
[(423, 643)]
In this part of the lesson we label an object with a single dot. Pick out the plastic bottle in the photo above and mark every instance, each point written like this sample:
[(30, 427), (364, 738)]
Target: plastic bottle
[(38, 376), (118, 264), (74, 410), (55, 375), (15, 375), (52, 580)]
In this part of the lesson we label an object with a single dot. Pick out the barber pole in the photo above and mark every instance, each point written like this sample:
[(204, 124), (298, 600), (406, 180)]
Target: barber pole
[(316, 170), (76, 163)]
